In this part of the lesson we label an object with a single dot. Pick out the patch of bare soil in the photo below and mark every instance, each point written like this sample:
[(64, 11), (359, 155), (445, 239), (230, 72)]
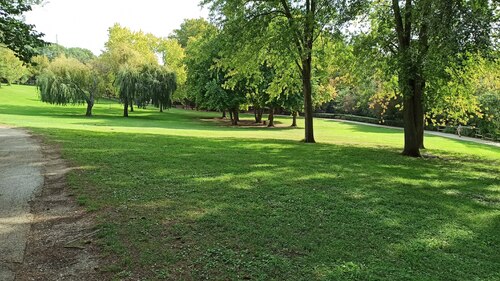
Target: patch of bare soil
[(245, 123), (61, 241)]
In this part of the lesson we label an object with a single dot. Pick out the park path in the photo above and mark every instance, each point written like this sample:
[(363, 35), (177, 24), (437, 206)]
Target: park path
[(21, 177), (440, 134)]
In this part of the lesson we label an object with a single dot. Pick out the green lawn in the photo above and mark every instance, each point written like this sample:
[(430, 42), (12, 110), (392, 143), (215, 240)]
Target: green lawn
[(179, 198)]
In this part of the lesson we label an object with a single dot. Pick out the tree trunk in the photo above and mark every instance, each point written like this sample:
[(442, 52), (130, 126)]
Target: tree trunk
[(271, 117), (231, 115), (131, 106), (90, 105), (237, 115), (258, 115), (419, 111), (235, 118), (294, 118), (224, 116), (161, 107), (308, 108), (410, 85), (125, 108), (412, 143)]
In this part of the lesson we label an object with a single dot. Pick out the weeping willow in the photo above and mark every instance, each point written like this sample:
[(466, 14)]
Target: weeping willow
[(148, 84), (161, 86), (128, 82), (67, 82)]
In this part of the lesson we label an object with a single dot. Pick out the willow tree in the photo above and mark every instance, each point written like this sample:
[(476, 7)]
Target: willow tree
[(128, 84), (300, 24), (158, 84), (68, 81)]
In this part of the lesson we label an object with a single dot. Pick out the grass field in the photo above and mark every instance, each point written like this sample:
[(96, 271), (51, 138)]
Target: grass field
[(179, 198)]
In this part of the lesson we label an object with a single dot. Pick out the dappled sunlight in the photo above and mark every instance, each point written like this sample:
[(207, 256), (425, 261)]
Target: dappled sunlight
[(172, 191)]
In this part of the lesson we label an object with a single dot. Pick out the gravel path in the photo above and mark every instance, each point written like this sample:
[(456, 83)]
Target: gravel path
[(20, 178)]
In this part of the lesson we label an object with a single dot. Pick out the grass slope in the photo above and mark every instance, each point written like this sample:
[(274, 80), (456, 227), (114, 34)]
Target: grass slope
[(182, 199)]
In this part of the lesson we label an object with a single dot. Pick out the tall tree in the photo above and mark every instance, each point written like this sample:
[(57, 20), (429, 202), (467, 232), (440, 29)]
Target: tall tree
[(300, 24), (429, 36), (191, 29)]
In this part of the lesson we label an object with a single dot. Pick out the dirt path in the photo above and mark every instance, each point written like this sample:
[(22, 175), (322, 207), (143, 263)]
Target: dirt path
[(20, 177), (44, 234), (444, 135)]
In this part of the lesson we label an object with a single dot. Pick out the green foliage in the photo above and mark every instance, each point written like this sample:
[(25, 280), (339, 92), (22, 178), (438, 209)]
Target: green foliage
[(11, 68), (128, 83), (191, 29), (158, 84), (206, 80), (147, 83), (68, 81), (18, 36), (38, 65), (53, 51)]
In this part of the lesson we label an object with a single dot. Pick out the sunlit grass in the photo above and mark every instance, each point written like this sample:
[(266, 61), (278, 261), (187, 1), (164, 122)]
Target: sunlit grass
[(183, 199)]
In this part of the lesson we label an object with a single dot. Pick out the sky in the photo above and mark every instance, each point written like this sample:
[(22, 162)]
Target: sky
[(85, 23)]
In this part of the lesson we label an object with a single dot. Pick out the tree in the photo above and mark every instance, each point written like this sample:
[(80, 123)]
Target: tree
[(68, 81), (191, 29), (18, 36), (38, 65), (426, 37), (127, 82), (125, 49), (173, 56), (11, 68), (53, 51), (300, 23), (158, 84)]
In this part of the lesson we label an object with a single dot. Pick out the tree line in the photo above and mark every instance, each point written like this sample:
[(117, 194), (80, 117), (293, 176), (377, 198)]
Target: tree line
[(425, 62)]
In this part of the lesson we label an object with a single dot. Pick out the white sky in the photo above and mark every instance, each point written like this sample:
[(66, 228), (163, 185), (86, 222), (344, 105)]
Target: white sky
[(85, 23)]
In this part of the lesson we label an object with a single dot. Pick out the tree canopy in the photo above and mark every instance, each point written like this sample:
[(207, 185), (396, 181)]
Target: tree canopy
[(69, 81), (20, 37)]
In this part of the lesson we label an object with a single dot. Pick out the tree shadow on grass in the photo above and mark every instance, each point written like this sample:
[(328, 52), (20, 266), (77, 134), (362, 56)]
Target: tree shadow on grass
[(201, 208)]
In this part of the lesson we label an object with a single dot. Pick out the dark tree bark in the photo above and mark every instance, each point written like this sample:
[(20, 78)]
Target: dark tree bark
[(304, 45), (161, 107), (294, 118), (307, 70), (234, 117), (412, 143), (271, 117), (224, 116), (90, 105), (131, 106), (258, 112), (125, 108), (411, 83), (419, 111)]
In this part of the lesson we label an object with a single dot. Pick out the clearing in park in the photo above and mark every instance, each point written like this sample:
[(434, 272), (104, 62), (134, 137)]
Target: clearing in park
[(177, 197)]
